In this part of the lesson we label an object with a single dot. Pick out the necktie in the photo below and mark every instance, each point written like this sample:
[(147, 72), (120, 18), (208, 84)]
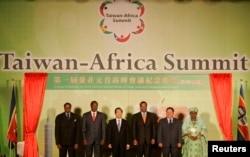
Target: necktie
[(67, 114), (93, 116), (144, 117), (170, 121), (119, 125)]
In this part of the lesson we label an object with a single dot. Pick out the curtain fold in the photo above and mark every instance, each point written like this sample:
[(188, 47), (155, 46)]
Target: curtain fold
[(34, 89), (221, 88)]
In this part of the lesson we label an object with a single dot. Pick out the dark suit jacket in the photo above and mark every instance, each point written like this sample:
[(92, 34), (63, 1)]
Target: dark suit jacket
[(93, 131), (169, 134), (144, 132), (67, 131), (115, 137)]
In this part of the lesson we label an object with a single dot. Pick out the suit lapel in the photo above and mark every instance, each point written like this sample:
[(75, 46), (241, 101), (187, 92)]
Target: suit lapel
[(174, 122)]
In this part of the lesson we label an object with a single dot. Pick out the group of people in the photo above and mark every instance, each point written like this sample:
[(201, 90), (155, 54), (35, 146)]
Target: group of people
[(170, 133)]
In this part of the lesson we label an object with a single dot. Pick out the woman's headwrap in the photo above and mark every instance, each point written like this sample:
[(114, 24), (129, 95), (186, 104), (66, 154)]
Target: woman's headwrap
[(193, 109)]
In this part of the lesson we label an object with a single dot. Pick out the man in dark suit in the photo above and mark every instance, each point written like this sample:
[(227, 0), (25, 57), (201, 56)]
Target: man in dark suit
[(94, 130), (118, 134), (144, 130), (67, 132), (169, 134)]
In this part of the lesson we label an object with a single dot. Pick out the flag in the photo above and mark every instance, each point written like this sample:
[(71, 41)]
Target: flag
[(12, 129), (242, 131)]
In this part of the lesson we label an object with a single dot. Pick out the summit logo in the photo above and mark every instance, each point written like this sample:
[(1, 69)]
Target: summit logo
[(122, 18)]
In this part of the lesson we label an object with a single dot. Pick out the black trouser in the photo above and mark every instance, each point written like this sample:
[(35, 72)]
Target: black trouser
[(67, 149), (118, 151), (144, 149), (169, 150)]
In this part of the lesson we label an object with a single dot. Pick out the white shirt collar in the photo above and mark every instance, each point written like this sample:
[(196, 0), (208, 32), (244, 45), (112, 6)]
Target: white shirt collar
[(117, 120), (170, 119), (143, 113)]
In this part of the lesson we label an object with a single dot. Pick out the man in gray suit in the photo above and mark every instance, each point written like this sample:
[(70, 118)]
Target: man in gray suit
[(169, 134), (93, 130)]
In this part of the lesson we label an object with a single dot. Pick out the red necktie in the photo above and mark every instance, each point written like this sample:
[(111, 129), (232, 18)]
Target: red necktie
[(93, 116)]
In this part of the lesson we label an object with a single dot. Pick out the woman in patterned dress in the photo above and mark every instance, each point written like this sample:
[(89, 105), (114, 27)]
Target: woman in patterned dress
[(194, 133)]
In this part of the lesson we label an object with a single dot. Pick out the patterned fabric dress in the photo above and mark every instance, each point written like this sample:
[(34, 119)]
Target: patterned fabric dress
[(194, 148)]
